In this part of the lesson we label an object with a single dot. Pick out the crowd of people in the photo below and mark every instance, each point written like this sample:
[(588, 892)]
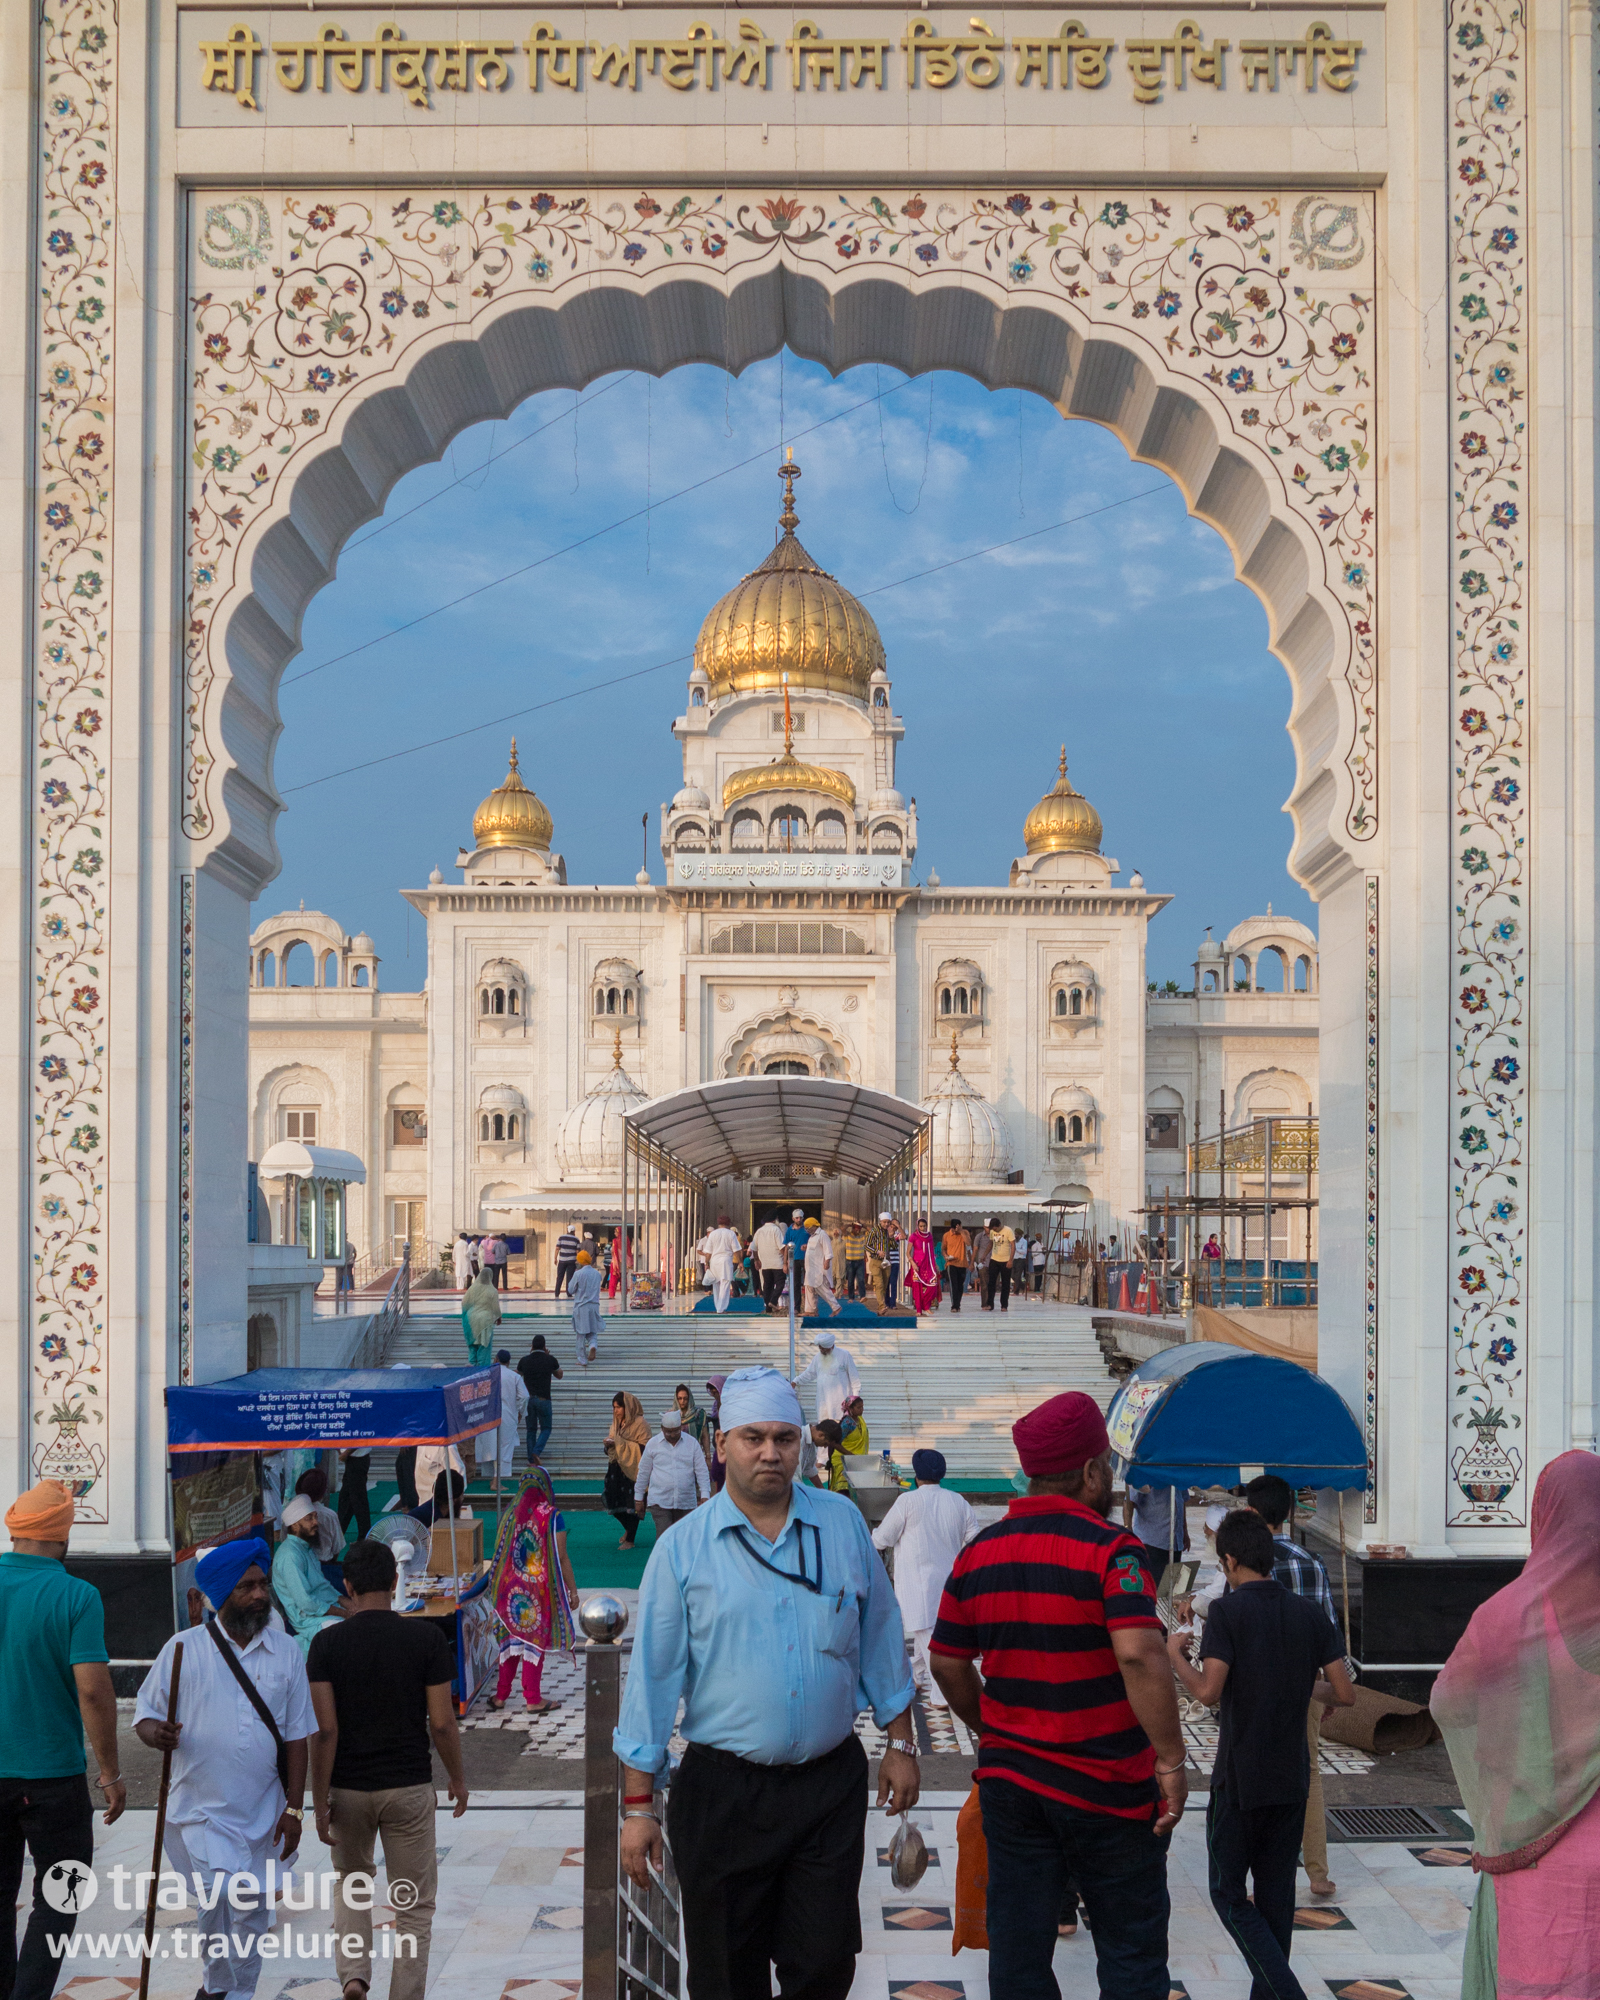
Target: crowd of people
[(766, 1617)]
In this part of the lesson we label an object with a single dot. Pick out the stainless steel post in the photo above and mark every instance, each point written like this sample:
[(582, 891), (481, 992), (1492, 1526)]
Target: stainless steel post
[(602, 1674)]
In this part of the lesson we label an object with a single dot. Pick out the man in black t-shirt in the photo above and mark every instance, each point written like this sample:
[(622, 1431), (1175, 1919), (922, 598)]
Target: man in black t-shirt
[(538, 1368), (1264, 1656), (381, 1687)]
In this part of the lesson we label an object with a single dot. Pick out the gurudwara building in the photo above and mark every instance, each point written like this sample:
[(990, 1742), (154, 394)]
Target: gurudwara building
[(791, 936)]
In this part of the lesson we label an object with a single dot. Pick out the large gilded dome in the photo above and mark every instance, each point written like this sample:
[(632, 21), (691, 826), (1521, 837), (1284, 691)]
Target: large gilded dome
[(1063, 822), (512, 816), (788, 617)]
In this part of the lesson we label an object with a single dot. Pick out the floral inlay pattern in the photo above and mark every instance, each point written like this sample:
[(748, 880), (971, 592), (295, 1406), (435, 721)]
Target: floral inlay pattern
[(73, 306), (1488, 276), (306, 300)]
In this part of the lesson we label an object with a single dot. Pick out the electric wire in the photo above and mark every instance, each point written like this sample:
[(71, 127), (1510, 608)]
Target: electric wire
[(583, 541), (678, 659)]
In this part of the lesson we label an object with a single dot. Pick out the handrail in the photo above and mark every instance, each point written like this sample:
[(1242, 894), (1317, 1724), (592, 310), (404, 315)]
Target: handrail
[(372, 1349)]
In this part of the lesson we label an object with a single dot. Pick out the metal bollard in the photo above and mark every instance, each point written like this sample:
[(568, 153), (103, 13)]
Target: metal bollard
[(603, 1618)]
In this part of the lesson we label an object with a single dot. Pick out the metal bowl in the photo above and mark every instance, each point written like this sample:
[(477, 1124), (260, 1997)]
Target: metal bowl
[(604, 1617)]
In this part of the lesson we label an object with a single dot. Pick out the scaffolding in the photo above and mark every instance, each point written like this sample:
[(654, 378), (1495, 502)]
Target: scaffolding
[(1276, 1148)]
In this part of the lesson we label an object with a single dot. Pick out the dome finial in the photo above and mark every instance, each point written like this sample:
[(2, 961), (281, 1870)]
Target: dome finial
[(515, 766), (788, 472), (616, 1049), (1063, 765), (955, 1048)]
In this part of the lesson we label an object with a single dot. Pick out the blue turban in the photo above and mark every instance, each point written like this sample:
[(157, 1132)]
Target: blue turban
[(219, 1572), (928, 1466)]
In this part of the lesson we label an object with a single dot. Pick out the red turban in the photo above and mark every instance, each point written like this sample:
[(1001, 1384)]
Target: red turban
[(1061, 1436)]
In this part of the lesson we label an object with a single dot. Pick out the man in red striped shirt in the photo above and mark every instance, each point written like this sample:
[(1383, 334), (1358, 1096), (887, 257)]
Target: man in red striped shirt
[(1081, 1756)]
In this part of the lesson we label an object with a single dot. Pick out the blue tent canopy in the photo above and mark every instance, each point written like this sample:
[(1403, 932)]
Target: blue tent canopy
[(1201, 1414), (278, 1409)]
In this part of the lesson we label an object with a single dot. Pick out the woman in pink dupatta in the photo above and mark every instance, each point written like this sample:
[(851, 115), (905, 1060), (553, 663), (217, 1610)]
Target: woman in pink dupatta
[(923, 1271), (1519, 1704)]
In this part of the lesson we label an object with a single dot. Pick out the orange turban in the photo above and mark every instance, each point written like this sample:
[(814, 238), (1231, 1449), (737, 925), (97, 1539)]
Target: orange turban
[(584, 1257), (44, 1513)]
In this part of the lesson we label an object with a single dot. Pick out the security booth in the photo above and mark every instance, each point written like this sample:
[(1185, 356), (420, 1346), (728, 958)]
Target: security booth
[(306, 1193)]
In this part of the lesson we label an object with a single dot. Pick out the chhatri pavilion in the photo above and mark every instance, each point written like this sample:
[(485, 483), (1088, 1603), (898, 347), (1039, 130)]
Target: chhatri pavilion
[(791, 936)]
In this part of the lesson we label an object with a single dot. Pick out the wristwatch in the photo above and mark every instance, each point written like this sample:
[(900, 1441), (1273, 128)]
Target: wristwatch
[(901, 1743), (295, 1812)]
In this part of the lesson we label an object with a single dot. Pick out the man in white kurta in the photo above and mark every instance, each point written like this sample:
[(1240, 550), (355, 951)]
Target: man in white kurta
[(819, 1268), (227, 1814), (721, 1249), (496, 1448), (927, 1528), (834, 1371)]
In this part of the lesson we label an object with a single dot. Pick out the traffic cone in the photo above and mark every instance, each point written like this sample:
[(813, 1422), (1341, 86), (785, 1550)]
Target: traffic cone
[(1124, 1303)]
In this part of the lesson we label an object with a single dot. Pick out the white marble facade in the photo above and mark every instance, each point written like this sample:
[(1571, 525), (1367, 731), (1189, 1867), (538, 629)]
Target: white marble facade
[(789, 935)]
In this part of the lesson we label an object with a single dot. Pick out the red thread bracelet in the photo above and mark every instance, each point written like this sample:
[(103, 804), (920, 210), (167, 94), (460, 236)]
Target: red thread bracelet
[(638, 1798)]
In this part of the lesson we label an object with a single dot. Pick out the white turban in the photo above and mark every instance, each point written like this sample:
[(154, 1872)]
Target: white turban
[(758, 1396), (886, 1216), (298, 1508), (825, 1341), (671, 1420)]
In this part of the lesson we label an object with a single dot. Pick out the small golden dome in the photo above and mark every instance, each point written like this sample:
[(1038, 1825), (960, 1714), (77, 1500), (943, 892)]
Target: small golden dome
[(1063, 822), (788, 618), (512, 816), (788, 774)]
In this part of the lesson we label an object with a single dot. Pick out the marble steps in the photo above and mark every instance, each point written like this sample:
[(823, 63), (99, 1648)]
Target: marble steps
[(958, 1386)]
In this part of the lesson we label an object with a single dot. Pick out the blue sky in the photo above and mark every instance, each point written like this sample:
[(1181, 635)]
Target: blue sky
[(1125, 636)]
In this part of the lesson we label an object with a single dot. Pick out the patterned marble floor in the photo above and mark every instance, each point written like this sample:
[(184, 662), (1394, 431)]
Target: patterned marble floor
[(511, 1894)]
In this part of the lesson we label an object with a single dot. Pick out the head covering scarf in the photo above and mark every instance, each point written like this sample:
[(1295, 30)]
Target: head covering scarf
[(526, 1586), (1060, 1436), (219, 1570), (695, 1420), (1519, 1698), (44, 1513), (480, 1308), (629, 1433), (759, 1396), (928, 1465), (294, 1513)]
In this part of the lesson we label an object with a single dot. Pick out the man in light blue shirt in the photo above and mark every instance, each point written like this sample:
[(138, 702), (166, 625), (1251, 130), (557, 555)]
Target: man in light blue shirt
[(771, 1614)]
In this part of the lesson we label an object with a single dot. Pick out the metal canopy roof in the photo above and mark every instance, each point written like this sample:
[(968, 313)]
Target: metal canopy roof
[(783, 1126)]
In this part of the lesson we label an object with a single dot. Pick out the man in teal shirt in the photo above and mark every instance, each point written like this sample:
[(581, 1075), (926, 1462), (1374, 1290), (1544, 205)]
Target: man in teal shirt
[(298, 1583), (54, 1667)]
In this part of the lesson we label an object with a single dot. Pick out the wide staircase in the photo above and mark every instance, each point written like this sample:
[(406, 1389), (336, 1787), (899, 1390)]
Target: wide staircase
[(955, 1383)]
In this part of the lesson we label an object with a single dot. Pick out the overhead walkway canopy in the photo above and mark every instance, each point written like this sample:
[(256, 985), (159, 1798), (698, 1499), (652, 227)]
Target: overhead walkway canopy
[(764, 1128)]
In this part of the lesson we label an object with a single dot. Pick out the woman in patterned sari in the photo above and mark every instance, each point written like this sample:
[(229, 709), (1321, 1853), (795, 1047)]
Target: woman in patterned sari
[(533, 1589)]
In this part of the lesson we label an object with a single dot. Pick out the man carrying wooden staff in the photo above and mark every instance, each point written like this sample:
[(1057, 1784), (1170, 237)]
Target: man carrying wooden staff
[(238, 1759)]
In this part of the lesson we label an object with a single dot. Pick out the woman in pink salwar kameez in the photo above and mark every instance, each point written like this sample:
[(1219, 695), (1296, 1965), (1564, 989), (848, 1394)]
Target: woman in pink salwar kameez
[(923, 1272), (1519, 1704)]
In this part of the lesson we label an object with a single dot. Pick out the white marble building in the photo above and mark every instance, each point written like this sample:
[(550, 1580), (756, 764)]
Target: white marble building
[(789, 936)]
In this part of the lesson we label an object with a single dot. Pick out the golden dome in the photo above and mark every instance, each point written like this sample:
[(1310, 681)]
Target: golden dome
[(788, 774), (512, 816), (788, 617), (1063, 822)]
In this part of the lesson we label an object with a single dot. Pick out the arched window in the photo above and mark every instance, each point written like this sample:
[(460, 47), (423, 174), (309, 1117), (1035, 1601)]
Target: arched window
[(1302, 975), (483, 999), (785, 1066), (879, 698), (1075, 1129), (1241, 974), (627, 1000), (363, 977), (698, 698), (330, 969), (1075, 1000), (944, 1001), (1271, 970), (611, 999), (977, 1000), (1060, 1131), (886, 840), (299, 967), (499, 1004), (267, 969), (599, 1000), (511, 1125), (498, 1123), (1210, 985), (690, 838), (830, 836), (1061, 1002), (511, 1000), (748, 831), (961, 1000), (789, 828), (483, 1126)]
